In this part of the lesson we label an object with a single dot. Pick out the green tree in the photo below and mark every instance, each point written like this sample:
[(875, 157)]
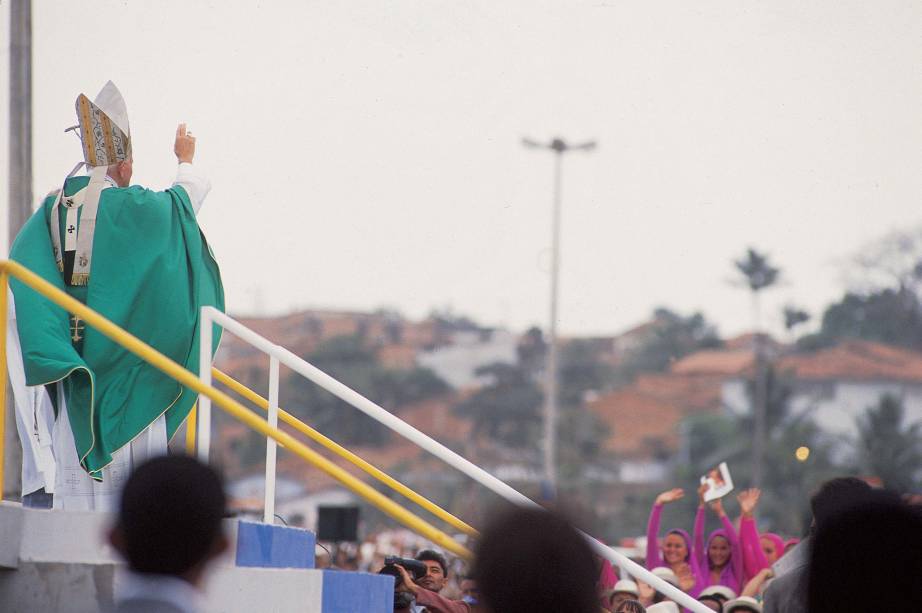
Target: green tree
[(889, 448), (508, 409), (883, 303), (671, 337), (348, 359), (757, 271), (794, 317), (758, 274), (891, 316), (580, 432), (581, 371)]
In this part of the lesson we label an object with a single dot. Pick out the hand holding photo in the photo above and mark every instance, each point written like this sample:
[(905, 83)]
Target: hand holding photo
[(718, 481)]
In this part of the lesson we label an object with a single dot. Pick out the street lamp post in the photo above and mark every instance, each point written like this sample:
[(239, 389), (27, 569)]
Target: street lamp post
[(559, 147)]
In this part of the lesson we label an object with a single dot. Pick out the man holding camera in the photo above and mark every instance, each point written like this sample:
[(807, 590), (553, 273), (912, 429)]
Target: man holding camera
[(426, 587)]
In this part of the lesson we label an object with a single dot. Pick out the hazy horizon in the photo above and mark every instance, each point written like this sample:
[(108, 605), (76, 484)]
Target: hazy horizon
[(368, 155)]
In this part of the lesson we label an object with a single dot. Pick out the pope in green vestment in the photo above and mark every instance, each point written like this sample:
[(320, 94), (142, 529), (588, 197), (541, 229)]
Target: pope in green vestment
[(151, 272)]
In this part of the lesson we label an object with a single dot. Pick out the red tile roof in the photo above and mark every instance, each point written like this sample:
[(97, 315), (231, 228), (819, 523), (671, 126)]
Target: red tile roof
[(714, 362), (641, 426), (694, 393), (857, 361)]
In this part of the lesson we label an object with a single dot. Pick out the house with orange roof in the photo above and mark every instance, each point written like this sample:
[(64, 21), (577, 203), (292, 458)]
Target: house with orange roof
[(645, 420), (837, 384), (833, 385)]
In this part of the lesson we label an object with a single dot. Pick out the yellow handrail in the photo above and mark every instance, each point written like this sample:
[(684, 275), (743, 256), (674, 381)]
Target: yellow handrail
[(183, 376), (190, 429), (344, 453)]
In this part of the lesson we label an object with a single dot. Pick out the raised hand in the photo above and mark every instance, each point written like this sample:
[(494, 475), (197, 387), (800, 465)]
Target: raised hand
[(701, 490), (184, 147), (718, 507), (408, 584), (670, 496), (748, 500)]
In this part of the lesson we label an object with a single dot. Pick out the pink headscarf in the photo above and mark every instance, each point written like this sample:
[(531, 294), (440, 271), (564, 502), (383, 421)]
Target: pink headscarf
[(776, 540)]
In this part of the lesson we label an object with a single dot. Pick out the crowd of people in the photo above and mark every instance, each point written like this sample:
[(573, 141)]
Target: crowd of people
[(863, 552)]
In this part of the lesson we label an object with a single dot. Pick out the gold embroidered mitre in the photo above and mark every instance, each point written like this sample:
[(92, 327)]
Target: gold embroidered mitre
[(104, 127)]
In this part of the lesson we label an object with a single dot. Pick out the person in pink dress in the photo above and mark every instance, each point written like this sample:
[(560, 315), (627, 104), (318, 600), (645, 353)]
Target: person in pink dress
[(721, 561), (675, 551)]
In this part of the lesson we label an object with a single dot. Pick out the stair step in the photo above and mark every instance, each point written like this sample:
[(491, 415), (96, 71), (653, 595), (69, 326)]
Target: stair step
[(60, 561)]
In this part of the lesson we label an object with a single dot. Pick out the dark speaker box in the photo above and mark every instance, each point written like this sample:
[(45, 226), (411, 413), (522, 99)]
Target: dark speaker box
[(337, 524)]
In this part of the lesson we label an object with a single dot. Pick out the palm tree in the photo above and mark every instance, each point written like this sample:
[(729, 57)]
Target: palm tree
[(758, 275), (886, 447)]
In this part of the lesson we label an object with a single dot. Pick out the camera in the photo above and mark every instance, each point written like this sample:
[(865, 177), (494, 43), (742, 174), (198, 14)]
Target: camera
[(417, 570)]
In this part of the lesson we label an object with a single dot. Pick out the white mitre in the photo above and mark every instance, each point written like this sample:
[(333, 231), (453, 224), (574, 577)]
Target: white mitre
[(104, 127)]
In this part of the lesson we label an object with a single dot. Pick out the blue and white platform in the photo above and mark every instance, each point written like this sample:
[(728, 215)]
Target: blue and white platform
[(59, 561)]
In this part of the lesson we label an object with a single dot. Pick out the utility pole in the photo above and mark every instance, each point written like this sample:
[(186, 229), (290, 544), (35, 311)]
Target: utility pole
[(551, 374), (760, 398), (20, 203), (20, 192)]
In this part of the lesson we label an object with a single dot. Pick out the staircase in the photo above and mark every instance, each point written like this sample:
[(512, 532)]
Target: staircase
[(59, 561)]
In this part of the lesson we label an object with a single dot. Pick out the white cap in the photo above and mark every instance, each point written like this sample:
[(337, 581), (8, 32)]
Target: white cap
[(666, 574), (663, 607), (743, 603), (718, 590), (627, 586)]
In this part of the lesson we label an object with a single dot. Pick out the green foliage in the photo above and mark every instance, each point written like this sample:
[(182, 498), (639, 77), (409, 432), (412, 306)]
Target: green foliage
[(757, 271), (580, 435), (581, 371), (794, 316), (347, 359), (887, 447), (531, 351), (886, 316), (671, 337), (508, 409)]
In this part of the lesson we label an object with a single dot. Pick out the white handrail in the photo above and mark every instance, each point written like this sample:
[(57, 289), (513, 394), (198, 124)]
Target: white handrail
[(381, 415)]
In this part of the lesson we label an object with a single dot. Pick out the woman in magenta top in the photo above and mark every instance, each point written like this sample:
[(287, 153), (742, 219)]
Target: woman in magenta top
[(675, 552), (759, 551), (721, 561)]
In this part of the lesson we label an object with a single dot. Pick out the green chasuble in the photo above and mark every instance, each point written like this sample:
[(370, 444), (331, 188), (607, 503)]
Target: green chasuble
[(151, 273)]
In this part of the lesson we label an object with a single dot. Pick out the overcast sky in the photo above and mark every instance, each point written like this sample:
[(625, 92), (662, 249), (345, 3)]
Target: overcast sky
[(367, 154)]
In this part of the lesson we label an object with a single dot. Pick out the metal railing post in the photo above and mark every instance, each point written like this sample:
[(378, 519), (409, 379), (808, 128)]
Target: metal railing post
[(271, 445), (204, 375), (344, 453), (4, 284)]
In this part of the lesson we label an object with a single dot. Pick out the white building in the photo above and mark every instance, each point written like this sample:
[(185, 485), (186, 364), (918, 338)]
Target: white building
[(837, 385), (458, 362)]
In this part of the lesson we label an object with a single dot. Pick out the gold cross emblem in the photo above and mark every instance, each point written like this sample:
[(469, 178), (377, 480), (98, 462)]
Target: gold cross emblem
[(76, 327)]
